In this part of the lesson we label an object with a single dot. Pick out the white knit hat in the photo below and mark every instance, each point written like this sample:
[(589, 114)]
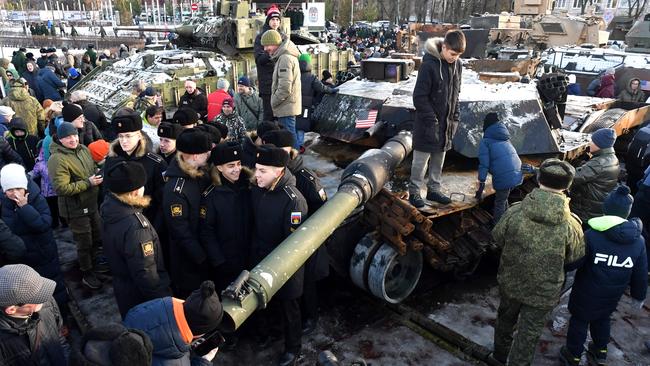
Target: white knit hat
[(6, 111), (13, 176)]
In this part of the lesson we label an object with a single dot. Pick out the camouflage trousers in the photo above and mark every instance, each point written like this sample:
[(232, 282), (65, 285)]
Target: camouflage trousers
[(529, 321)]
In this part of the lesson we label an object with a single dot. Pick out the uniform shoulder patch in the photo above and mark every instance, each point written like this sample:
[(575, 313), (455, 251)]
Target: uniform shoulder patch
[(147, 248), (308, 174), (178, 187), (296, 217), (291, 191), (143, 220), (155, 157), (203, 212), (208, 190), (176, 210)]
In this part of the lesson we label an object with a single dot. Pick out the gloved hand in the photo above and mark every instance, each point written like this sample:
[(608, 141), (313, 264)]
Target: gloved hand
[(479, 191), (528, 169), (210, 355)]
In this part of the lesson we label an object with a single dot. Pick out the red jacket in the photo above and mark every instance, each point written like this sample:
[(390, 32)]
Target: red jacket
[(607, 87), (215, 99)]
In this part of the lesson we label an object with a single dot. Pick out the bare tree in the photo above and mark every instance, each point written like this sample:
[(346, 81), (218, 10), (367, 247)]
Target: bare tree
[(635, 8)]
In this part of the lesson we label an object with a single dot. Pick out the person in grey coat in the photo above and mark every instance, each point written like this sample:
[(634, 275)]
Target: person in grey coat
[(248, 104)]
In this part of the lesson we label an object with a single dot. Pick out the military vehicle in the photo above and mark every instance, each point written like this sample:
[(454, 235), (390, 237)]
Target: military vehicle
[(207, 49), (638, 37)]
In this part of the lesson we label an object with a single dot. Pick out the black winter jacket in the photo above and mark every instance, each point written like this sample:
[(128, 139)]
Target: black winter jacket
[(592, 183), (12, 248), (615, 257), (263, 63), (154, 165), (33, 224), (93, 114), (226, 222), (26, 147), (197, 101), (133, 251), (18, 340), (308, 183), (277, 213), (435, 98), (181, 204), (7, 154), (89, 133), (312, 89)]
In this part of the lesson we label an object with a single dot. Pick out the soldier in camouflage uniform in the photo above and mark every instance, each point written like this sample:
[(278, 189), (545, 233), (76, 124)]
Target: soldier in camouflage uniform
[(540, 238)]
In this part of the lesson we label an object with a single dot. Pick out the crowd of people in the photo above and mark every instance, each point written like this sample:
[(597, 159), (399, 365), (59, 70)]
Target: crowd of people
[(173, 207)]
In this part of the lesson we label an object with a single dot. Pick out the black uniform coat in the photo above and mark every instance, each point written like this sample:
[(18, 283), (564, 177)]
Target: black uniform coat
[(197, 101), (435, 98), (317, 267), (133, 251), (181, 202), (277, 213), (225, 229), (153, 164)]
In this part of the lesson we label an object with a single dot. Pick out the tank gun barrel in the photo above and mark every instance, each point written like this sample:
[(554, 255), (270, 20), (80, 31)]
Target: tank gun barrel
[(181, 30), (360, 181)]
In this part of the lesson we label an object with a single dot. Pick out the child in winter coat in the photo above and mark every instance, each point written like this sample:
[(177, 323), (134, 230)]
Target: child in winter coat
[(615, 258), (497, 156)]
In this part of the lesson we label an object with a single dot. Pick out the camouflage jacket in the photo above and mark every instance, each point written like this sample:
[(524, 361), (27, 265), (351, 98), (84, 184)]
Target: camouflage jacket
[(26, 107), (539, 236), (235, 124)]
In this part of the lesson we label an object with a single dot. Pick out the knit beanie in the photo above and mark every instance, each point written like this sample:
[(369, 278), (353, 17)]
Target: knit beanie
[(244, 81), (229, 102), (99, 150), (125, 176), (305, 57), (71, 111), (490, 119), (223, 84), (47, 103), (149, 91), (273, 12), (203, 310), (66, 129), (271, 38), (618, 202), (604, 138), (271, 155), (13, 176), (556, 174)]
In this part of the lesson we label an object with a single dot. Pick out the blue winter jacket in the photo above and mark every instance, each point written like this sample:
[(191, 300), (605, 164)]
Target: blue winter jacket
[(156, 318), (615, 257), (574, 89), (50, 84), (497, 156), (32, 223)]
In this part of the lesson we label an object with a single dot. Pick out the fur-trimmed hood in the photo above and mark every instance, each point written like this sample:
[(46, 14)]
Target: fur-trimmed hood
[(144, 146), (117, 207), (433, 47), (245, 176), (134, 201)]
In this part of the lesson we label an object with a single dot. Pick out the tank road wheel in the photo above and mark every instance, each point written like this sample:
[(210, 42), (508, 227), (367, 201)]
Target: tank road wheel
[(392, 277), (379, 269), (361, 259)]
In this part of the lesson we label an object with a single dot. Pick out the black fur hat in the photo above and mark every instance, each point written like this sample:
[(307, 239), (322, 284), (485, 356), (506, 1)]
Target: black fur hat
[(271, 155)]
